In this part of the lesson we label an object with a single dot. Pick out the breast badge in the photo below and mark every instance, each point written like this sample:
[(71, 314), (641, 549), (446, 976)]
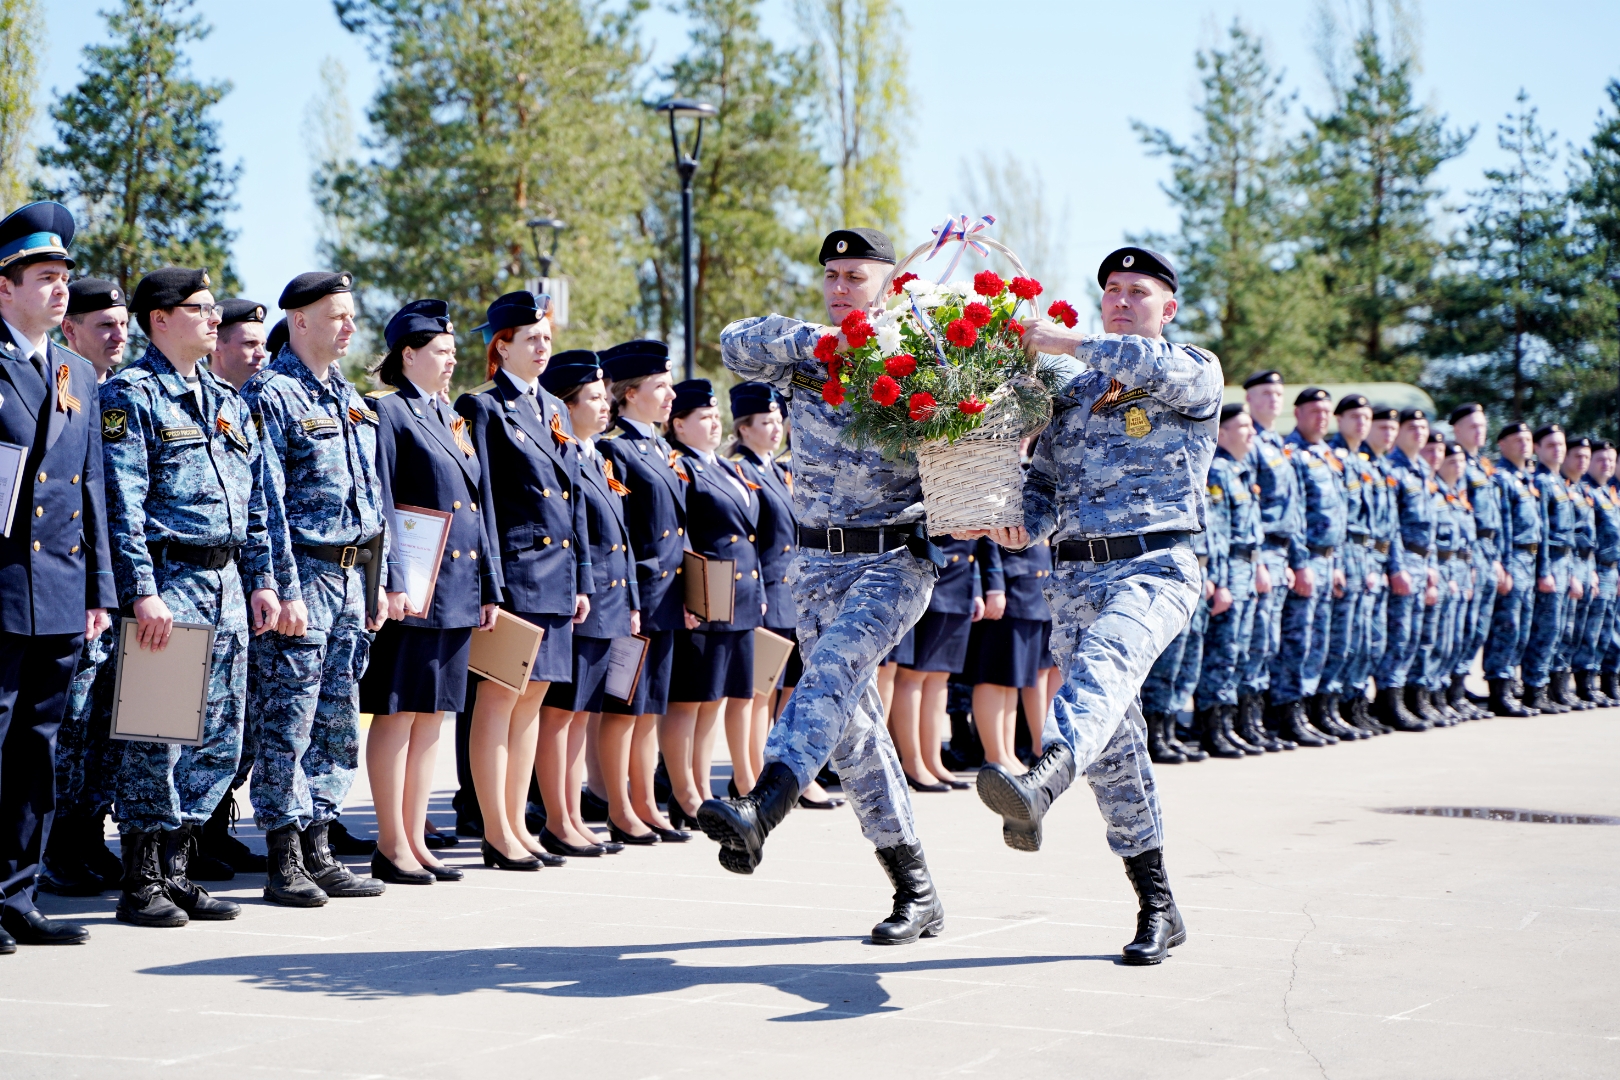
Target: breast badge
[(1136, 422)]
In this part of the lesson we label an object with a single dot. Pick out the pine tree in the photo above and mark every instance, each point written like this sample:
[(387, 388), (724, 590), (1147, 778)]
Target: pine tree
[(20, 33), (1597, 197), (760, 189), (1366, 169), (138, 156)]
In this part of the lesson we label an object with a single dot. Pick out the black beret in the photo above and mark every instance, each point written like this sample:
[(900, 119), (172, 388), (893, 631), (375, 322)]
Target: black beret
[(1547, 429), (750, 398), (1138, 260), (239, 311), (1351, 401), (857, 244), (418, 317), (1386, 412), (1454, 448), (692, 394), (1312, 393), (1235, 408), (1261, 378), (1602, 444), (1518, 427), (35, 233), (1407, 415), (633, 359), (1437, 436), (570, 369), (1580, 443), (165, 288), (514, 309), (278, 337), (89, 294), (1463, 411), (307, 288)]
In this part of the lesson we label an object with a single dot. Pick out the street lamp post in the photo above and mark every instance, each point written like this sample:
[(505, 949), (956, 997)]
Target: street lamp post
[(686, 165), (556, 289)]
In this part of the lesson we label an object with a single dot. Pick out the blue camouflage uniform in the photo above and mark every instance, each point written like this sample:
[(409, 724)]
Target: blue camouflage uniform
[(86, 756), (1485, 499), (1600, 621), (1127, 452), (1556, 559), (1348, 634), (321, 438), (1234, 509), (1387, 558), (852, 609), (1173, 679), (1414, 501), (1282, 519), (1520, 545), (183, 474), (1585, 571), (1296, 669), (1452, 536)]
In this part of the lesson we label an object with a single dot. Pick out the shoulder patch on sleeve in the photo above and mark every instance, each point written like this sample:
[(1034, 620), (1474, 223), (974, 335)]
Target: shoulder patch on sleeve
[(114, 424)]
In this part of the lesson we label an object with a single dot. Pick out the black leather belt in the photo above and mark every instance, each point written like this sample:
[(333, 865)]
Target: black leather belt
[(1556, 550), (1418, 549), (345, 555), (1324, 550), (1381, 546), (1609, 565), (1443, 555), (840, 541), (1101, 549), (209, 558), (1486, 534), (1531, 548), (1246, 552), (1364, 541), (1276, 540)]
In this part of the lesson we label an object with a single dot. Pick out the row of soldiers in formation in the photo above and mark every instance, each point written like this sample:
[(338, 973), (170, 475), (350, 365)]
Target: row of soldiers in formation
[(1388, 555)]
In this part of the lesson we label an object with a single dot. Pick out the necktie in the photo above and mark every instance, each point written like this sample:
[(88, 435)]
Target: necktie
[(534, 403), (437, 414)]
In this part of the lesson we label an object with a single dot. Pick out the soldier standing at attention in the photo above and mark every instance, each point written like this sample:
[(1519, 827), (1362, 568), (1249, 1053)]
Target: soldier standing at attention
[(1433, 667), (1584, 574), (1117, 482), (1556, 584), (327, 504), (1353, 605), (1388, 561), (78, 862), (188, 519), (1468, 427), (56, 580), (240, 352), (1592, 682), (862, 577), (1521, 544), (1416, 583)]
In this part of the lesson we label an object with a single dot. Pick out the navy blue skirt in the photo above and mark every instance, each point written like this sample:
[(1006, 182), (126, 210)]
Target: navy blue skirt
[(940, 642), (416, 669), (555, 661), (1008, 652), (586, 690), (652, 690), (710, 665)]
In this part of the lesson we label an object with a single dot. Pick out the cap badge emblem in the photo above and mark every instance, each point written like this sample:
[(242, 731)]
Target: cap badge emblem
[(1128, 261), (206, 282), (113, 293), (843, 246)]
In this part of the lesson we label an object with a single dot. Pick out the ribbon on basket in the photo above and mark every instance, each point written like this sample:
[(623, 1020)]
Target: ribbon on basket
[(959, 229)]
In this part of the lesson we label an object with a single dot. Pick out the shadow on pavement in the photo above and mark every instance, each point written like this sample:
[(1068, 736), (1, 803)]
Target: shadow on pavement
[(586, 972)]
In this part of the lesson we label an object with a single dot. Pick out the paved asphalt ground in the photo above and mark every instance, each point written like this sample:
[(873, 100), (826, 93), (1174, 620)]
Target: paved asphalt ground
[(1327, 940)]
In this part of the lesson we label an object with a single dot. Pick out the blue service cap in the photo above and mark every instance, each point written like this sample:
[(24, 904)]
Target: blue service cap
[(749, 398), (633, 359), (692, 394), (513, 309), (418, 317), (569, 370), (35, 233)]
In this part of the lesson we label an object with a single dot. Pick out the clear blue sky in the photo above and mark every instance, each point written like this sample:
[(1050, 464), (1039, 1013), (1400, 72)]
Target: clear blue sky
[(1055, 82)]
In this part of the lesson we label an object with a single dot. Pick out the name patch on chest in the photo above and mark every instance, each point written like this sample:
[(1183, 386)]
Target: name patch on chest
[(805, 381), (318, 425), (180, 434)]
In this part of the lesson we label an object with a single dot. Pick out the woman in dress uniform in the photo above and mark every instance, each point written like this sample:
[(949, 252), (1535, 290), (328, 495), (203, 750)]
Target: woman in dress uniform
[(418, 666), (939, 644), (530, 482), (655, 512), (714, 661), (1009, 651)]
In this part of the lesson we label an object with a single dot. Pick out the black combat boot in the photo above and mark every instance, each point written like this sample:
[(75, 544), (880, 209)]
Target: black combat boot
[(1159, 748), (1365, 719), (1585, 691), (917, 910), (1022, 801), (1191, 751), (1535, 700), (1296, 725), (1457, 699), (145, 899), (344, 842), (741, 825), (1417, 703), (178, 848), (1566, 691), (65, 872), (1445, 716), (1158, 923), (1611, 686), (333, 878), (1212, 735), (1552, 704), (98, 857), (1391, 711), (1325, 717), (1226, 716), (1252, 721), (218, 851), (287, 882), (1502, 701)]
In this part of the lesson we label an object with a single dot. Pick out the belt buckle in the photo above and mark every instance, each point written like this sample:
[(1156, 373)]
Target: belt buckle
[(350, 553), (1091, 549), (839, 530)]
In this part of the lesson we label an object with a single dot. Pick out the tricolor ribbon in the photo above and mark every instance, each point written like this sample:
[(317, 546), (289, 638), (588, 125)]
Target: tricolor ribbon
[(65, 401), (557, 432), (613, 485), (962, 230), (458, 427)]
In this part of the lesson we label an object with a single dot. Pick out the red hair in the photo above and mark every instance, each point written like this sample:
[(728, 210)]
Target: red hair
[(493, 354)]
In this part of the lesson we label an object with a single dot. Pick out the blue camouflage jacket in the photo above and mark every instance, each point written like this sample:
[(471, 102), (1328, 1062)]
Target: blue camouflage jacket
[(1282, 511), (1234, 508), (1606, 523), (1486, 498), (1520, 502), (1557, 517), (1414, 501), (1320, 473), (1360, 491), (1585, 523)]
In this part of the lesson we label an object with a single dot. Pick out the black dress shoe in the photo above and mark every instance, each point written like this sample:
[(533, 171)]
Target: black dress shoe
[(470, 827), (827, 778), (591, 807), (669, 836), (436, 840), (679, 818), (561, 847), (496, 861), (831, 803), (343, 842), (383, 869), (445, 873), (646, 839), (919, 786), (955, 783), (8, 944), (33, 928)]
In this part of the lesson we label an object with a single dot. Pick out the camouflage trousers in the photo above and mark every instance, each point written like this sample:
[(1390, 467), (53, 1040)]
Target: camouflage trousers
[(1510, 620), (87, 758), (1347, 636), (1580, 613), (1399, 664), (1266, 637), (1226, 641), (1173, 679), (1110, 622), (1365, 663), (161, 786), (306, 698), (853, 609), (1440, 624), (1307, 626), (1548, 616), (1474, 621), (1591, 646)]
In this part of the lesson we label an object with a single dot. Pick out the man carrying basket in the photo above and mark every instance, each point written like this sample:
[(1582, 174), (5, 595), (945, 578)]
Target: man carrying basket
[(1117, 485)]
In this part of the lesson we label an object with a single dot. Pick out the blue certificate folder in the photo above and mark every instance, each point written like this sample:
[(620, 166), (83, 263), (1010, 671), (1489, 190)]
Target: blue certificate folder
[(13, 460)]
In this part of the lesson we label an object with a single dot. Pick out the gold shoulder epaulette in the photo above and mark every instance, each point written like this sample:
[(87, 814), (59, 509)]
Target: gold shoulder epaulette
[(379, 394), (488, 384)]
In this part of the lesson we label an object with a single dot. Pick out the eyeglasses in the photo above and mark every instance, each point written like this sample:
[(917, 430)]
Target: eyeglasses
[(207, 311)]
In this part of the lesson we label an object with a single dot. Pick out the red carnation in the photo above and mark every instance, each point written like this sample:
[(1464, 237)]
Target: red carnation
[(857, 331), (827, 348), (971, 406), (961, 333), (1025, 288), (988, 283), (1016, 327), (832, 391), (977, 314), (885, 391), (899, 285), (900, 366), (1064, 312), (922, 406)]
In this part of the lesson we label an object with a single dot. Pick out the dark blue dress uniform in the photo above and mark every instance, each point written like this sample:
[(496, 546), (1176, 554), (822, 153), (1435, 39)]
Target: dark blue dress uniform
[(778, 526), (1014, 649), (655, 511), (530, 480), (53, 566), (419, 664), (939, 641)]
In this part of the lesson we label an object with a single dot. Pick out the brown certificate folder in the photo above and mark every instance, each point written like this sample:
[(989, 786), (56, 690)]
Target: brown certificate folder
[(626, 657), (506, 654), (711, 586), (771, 653), (163, 696)]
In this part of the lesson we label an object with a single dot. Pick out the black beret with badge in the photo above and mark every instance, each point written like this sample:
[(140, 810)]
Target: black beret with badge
[(1386, 412), (278, 337), (1547, 429), (89, 294), (311, 286), (1518, 427), (1582, 443), (857, 244), (1351, 401), (1262, 378), (752, 398), (1233, 408), (1311, 394), (1139, 260), (569, 370), (693, 394), (418, 317), (634, 359), (168, 287), (34, 233), (241, 311), (1413, 413), (1462, 412)]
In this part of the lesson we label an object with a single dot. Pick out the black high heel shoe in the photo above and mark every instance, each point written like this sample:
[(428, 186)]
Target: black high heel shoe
[(496, 861), (950, 781), (917, 786), (669, 836), (445, 873), (832, 802), (383, 869), (679, 818), (561, 847), (644, 840)]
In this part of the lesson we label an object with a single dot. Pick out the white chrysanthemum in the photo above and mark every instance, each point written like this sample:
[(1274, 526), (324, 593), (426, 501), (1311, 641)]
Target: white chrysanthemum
[(888, 339)]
